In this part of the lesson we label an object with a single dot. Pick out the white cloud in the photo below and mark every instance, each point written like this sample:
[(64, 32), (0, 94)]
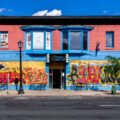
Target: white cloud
[(54, 12), (41, 13), (2, 9)]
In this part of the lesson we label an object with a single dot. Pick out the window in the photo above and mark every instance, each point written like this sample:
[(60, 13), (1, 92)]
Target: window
[(28, 41), (109, 39), (75, 40), (38, 40), (3, 39), (84, 40), (48, 40), (65, 40)]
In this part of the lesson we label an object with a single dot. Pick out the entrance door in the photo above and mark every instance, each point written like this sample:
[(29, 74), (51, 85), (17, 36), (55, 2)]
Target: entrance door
[(57, 75), (57, 78)]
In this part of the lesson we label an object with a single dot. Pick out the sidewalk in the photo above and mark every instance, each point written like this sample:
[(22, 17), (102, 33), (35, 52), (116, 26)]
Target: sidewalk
[(57, 92)]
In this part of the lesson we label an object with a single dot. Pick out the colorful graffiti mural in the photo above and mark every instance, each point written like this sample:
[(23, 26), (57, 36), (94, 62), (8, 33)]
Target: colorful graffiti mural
[(89, 72), (33, 73)]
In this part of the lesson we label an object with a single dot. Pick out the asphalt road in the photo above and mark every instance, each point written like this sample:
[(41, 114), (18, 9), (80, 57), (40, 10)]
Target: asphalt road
[(60, 108)]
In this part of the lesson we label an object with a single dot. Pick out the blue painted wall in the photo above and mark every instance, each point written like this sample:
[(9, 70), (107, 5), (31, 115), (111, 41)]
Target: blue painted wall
[(14, 56)]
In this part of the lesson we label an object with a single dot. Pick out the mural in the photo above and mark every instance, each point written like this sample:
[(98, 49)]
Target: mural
[(33, 72), (89, 72)]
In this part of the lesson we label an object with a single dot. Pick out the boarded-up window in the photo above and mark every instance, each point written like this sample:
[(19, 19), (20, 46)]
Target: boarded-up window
[(110, 39), (75, 40)]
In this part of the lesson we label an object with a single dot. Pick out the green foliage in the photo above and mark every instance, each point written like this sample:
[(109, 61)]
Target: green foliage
[(113, 66)]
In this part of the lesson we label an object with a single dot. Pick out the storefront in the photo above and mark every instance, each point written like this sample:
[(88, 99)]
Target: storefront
[(69, 56)]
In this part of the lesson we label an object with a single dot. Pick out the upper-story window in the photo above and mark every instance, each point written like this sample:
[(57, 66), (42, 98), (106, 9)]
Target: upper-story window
[(65, 40), (75, 38), (48, 40), (85, 40), (38, 40), (3, 39), (109, 39), (28, 41), (78, 40)]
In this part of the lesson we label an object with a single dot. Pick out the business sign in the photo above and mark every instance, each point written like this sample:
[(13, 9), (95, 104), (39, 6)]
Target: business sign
[(38, 40), (58, 58)]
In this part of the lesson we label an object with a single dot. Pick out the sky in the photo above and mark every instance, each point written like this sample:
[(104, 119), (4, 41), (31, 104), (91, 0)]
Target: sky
[(59, 7)]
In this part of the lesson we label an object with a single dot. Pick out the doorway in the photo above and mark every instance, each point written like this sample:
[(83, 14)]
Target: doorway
[(57, 76)]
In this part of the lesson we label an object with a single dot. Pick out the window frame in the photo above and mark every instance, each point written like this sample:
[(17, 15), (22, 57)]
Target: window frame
[(75, 51), (108, 32), (7, 39), (62, 40), (35, 51)]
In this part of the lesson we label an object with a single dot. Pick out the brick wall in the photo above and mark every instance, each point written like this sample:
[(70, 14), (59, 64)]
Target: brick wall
[(56, 40), (14, 35), (99, 35)]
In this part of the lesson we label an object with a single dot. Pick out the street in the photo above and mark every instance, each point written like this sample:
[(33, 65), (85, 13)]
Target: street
[(59, 108)]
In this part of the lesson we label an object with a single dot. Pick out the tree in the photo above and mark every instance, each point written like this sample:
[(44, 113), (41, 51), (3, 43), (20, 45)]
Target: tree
[(112, 69)]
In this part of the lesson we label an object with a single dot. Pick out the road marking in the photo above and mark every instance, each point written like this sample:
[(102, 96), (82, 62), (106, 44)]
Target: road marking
[(74, 97), (21, 98), (109, 105)]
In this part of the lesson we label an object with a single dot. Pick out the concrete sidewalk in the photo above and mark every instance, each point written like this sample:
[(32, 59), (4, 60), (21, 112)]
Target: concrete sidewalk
[(57, 92)]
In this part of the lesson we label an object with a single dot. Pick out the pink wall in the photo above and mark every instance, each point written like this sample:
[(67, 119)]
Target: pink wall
[(99, 34), (56, 40), (96, 35), (14, 35)]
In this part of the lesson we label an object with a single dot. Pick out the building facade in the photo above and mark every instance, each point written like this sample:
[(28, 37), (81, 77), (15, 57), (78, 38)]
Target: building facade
[(55, 55)]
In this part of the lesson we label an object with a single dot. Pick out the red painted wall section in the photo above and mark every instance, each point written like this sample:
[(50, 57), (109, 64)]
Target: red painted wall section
[(56, 40), (99, 35), (14, 35), (96, 35)]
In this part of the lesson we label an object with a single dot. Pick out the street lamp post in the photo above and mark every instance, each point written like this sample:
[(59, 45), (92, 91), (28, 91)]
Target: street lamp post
[(20, 45)]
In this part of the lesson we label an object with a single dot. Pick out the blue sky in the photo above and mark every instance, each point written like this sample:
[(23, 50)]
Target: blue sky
[(67, 7)]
